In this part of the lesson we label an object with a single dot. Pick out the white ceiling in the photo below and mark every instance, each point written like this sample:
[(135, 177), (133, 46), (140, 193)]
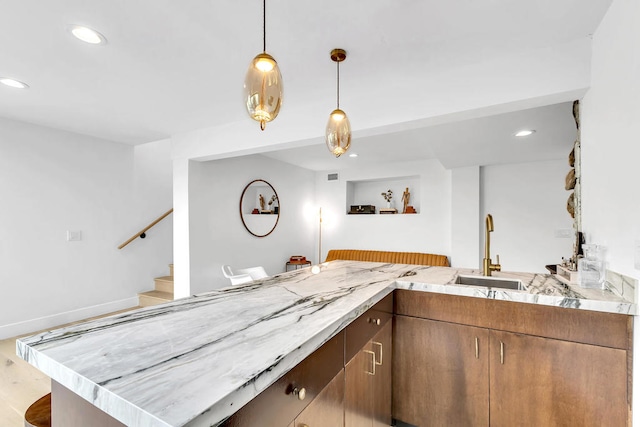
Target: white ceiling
[(480, 141), (175, 66)]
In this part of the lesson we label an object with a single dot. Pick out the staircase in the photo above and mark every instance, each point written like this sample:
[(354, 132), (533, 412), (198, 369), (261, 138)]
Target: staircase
[(162, 293)]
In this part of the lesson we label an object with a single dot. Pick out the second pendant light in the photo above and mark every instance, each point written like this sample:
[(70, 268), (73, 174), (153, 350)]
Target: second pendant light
[(338, 132)]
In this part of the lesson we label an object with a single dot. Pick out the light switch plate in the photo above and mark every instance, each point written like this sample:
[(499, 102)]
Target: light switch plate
[(74, 236), (564, 233), (636, 255)]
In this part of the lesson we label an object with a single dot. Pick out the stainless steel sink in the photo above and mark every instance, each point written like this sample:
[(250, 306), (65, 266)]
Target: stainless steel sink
[(490, 282)]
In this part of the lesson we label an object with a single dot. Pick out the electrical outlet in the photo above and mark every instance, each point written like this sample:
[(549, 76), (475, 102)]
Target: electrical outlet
[(74, 236)]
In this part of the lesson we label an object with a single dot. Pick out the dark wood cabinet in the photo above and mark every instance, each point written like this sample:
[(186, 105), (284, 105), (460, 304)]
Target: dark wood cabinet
[(459, 361), (382, 380), (534, 365), (280, 403), (368, 382), (327, 408), (545, 382), (358, 406), (441, 373)]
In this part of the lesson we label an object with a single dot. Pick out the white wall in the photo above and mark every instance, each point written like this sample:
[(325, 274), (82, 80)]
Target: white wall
[(217, 236), (181, 227), (428, 231), (610, 150), (527, 201), (465, 217), (528, 205), (53, 181), (153, 196)]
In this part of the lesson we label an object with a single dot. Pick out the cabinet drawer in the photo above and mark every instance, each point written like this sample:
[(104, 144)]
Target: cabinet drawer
[(277, 405), (583, 326), (363, 328)]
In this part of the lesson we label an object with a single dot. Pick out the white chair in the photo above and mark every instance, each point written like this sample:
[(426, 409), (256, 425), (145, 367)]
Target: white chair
[(256, 273), (236, 279)]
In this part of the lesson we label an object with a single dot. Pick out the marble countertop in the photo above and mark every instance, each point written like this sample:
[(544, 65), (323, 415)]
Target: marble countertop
[(195, 361)]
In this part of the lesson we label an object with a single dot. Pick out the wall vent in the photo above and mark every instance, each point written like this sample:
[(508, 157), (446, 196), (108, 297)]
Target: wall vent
[(332, 177)]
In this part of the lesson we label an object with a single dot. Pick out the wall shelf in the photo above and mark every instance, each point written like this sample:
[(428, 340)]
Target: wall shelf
[(368, 192)]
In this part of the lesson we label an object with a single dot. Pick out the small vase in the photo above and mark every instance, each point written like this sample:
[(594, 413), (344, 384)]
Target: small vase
[(389, 205)]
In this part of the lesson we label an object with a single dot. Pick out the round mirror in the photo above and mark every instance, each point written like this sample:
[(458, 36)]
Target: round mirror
[(259, 208)]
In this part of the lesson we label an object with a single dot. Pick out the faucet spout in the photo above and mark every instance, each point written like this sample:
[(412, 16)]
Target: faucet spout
[(487, 265)]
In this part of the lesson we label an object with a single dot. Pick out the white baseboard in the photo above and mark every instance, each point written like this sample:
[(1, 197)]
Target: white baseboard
[(48, 322)]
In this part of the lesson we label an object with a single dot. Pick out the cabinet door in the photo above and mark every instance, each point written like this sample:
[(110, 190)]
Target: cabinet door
[(440, 375), (546, 382), (381, 344), (327, 408), (358, 389)]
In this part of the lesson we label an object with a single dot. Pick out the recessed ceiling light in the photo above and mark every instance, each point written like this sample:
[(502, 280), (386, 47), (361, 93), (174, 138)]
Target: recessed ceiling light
[(7, 81), (525, 132), (353, 155), (87, 35)]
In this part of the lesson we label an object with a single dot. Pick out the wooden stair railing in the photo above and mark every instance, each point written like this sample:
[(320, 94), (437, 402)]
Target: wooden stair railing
[(142, 232)]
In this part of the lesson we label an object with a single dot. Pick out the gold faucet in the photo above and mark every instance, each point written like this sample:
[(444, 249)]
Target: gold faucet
[(487, 266)]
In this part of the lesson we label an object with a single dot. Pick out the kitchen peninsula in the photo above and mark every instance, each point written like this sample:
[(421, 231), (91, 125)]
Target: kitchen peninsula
[(196, 361)]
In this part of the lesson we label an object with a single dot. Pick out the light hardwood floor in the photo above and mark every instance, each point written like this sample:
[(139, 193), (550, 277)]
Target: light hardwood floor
[(20, 383)]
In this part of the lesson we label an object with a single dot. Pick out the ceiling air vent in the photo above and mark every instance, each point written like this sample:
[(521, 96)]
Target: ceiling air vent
[(332, 177)]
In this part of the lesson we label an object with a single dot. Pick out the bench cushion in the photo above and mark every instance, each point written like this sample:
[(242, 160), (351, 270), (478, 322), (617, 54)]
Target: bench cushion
[(390, 257)]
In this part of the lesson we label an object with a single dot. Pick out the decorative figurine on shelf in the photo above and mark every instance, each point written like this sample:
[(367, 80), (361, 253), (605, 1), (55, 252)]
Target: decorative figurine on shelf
[(405, 200), (261, 199), (388, 196), (273, 201)]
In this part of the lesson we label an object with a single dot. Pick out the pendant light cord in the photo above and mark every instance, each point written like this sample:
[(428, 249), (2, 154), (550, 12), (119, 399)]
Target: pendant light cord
[(264, 26), (338, 85)]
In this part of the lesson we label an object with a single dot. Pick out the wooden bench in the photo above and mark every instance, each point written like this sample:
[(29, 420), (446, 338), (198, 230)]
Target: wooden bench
[(389, 257)]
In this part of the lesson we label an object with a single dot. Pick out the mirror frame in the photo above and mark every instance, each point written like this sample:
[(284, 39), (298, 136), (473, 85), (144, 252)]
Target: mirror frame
[(240, 208)]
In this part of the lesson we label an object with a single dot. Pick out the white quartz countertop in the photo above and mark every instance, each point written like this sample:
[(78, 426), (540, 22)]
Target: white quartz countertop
[(195, 361)]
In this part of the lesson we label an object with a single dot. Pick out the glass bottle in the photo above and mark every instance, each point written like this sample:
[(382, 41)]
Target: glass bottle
[(591, 268)]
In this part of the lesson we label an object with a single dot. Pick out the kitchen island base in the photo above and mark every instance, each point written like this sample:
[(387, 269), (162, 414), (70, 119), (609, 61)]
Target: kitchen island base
[(69, 409)]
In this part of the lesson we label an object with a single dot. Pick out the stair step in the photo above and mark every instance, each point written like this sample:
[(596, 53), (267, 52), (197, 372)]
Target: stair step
[(171, 270), (164, 284), (154, 297)]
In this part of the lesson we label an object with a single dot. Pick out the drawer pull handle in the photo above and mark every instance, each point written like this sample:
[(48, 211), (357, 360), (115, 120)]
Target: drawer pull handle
[(374, 321), (477, 348), (373, 362), (501, 353), (300, 392), (379, 363)]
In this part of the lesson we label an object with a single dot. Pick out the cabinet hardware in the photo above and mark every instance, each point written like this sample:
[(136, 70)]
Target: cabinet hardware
[(374, 321), (477, 348), (379, 363), (501, 352), (301, 393), (373, 362)]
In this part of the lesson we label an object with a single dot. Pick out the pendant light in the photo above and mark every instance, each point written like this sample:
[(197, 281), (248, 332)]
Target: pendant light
[(263, 83), (338, 133)]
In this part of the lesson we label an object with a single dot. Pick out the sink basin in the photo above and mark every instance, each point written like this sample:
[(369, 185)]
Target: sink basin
[(490, 282)]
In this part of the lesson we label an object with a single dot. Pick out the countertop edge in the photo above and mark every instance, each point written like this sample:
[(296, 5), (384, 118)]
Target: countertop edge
[(93, 393), (615, 307)]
